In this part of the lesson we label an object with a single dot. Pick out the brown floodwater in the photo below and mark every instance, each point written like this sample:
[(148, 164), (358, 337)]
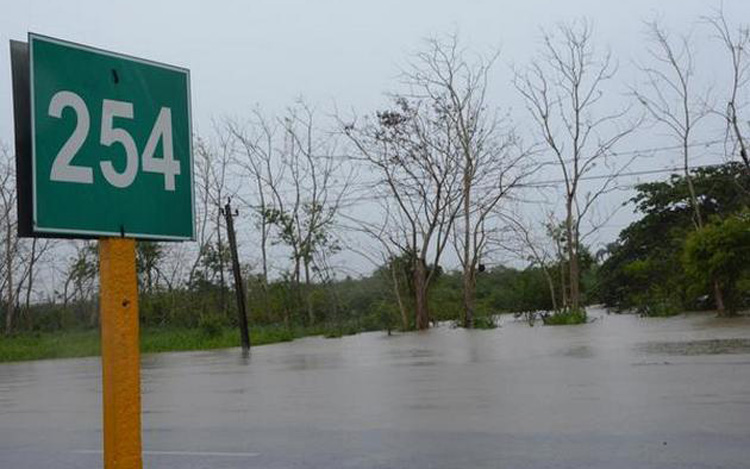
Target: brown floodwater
[(622, 392)]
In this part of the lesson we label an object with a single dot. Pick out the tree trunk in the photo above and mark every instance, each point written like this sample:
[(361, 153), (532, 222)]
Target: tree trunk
[(222, 281), (563, 285), (422, 315), (32, 261), (468, 263), (264, 255), (287, 319), (397, 292), (9, 270), (719, 298), (575, 298), (93, 311), (575, 293), (297, 284), (470, 285), (308, 296), (29, 285), (551, 286)]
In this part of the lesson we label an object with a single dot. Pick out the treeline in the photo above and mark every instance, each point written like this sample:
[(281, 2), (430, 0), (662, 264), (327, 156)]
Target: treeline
[(660, 265), (345, 306), (434, 186)]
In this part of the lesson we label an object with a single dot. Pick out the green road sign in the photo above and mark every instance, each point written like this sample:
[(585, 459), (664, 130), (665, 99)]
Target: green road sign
[(110, 144)]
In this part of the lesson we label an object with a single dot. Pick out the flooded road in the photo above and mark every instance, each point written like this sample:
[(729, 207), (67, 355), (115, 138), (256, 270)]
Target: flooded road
[(620, 392)]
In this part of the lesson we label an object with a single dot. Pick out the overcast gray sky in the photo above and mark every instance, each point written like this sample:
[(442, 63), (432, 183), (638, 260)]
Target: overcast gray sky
[(271, 51), (347, 52)]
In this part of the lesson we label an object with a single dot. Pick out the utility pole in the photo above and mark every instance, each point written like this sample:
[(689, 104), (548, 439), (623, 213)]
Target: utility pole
[(239, 285)]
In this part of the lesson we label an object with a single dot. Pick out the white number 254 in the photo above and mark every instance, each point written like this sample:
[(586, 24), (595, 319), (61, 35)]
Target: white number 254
[(63, 168)]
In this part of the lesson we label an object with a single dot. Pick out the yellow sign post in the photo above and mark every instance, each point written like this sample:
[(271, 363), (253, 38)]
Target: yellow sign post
[(68, 187), (120, 354)]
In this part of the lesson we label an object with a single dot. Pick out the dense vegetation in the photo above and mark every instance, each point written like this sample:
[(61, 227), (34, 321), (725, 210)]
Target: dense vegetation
[(349, 305), (664, 263)]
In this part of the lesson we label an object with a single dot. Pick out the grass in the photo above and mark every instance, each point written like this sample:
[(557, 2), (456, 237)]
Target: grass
[(66, 344), (85, 343)]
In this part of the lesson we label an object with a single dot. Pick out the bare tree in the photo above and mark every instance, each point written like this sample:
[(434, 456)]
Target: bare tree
[(8, 223), (445, 77), (306, 192), (671, 99), (204, 207), (149, 256), (564, 91), (212, 184), (414, 151), (31, 252), (81, 274), (218, 193), (387, 256), (258, 155), (172, 269), (526, 245), (736, 42)]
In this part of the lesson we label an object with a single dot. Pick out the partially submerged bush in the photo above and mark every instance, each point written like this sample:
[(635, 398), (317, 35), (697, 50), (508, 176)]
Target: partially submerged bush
[(658, 308), (485, 322), (566, 317)]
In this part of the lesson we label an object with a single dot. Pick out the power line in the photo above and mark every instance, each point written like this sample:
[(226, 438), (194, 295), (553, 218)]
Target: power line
[(372, 184), (617, 175), (706, 143), (347, 202)]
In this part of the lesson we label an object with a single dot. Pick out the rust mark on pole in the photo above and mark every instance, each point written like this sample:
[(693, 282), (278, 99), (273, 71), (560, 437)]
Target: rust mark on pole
[(120, 354)]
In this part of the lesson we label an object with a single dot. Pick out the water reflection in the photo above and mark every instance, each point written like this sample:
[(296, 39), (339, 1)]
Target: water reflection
[(697, 347), (579, 351)]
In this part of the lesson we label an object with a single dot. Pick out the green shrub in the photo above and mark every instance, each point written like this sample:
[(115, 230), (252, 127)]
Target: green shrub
[(657, 308), (211, 325), (566, 317), (485, 322)]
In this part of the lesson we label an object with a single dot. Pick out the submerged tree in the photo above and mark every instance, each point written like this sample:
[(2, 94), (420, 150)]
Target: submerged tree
[(564, 90), (307, 193), (413, 150), (538, 253), (720, 252), (672, 100), (446, 78), (644, 269), (258, 159)]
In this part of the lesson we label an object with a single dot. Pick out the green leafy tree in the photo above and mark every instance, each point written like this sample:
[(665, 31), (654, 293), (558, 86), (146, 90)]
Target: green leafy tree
[(644, 268), (720, 251), (148, 254), (81, 281)]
